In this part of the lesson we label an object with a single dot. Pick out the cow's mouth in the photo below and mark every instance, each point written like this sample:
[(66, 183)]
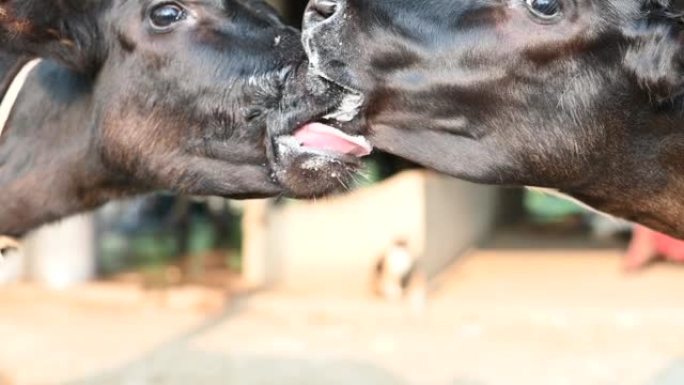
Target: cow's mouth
[(317, 147), (323, 139), (329, 135)]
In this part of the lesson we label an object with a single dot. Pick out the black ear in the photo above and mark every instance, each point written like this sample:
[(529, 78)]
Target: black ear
[(655, 55), (63, 30)]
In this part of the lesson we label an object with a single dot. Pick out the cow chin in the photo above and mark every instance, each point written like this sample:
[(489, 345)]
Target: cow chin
[(308, 173)]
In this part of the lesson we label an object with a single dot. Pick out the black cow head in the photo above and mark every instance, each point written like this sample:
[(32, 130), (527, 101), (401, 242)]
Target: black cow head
[(580, 95), (139, 95)]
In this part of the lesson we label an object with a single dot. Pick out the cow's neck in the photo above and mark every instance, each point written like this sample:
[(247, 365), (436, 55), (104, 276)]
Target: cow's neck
[(47, 166), (640, 176)]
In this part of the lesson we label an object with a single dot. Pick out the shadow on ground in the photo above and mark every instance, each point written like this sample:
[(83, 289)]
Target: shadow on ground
[(186, 366), (177, 363)]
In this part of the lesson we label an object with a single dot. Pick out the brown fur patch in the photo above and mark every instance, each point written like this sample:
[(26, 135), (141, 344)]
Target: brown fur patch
[(67, 42), (126, 43), (20, 27)]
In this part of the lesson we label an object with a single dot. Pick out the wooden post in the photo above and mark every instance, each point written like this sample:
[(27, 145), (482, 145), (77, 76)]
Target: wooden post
[(63, 254), (255, 263)]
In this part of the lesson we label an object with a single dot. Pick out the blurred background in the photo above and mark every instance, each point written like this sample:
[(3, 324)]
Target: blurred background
[(411, 278)]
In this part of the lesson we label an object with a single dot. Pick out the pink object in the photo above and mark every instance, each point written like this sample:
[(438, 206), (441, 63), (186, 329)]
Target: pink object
[(648, 245), (323, 137)]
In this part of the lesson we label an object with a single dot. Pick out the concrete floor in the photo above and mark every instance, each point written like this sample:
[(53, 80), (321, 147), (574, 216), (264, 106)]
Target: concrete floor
[(499, 317)]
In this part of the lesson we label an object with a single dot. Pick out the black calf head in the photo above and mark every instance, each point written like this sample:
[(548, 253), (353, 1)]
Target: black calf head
[(199, 97), (581, 95), (182, 90)]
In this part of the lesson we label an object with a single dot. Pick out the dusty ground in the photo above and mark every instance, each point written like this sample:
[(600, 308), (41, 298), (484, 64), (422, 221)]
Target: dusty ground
[(541, 317)]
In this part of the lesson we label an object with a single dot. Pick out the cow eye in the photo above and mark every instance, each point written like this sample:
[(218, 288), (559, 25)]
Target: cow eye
[(164, 16), (546, 9)]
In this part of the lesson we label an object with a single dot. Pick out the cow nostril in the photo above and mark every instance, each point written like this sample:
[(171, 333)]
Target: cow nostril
[(324, 8)]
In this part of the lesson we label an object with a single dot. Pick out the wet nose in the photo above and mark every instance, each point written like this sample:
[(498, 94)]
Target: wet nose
[(321, 10)]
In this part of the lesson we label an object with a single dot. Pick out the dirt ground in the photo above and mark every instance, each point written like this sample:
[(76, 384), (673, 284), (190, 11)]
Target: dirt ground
[(498, 317)]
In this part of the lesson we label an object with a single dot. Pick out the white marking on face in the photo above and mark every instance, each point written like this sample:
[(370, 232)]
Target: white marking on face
[(351, 105), (316, 163), (315, 59), (348, 109)]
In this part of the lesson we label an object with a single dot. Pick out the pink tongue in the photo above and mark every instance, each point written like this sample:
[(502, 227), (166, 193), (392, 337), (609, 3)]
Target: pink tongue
[(323, 137)]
